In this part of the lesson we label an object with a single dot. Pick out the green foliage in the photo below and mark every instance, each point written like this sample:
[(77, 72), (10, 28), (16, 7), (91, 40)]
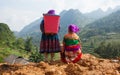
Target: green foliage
[(10, 45), (92, 43), (108, 50), (6, 35), (28, 44), (20, 47), (36, 56), (5, 52), (19, 43), (103, 26)]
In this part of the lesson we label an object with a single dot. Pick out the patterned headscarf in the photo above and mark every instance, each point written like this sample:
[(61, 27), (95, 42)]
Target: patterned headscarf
[(51, 12), (73, 28)]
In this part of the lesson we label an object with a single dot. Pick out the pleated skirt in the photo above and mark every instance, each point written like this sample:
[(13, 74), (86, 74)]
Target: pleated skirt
[(49, 44)]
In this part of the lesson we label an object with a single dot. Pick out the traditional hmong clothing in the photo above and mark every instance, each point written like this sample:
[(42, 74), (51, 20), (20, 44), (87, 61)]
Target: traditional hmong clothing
[(49, 42), (72, 46)]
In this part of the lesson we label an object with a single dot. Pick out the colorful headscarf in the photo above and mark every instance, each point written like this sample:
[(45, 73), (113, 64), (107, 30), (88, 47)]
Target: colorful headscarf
[(51, 12), (73, 28)]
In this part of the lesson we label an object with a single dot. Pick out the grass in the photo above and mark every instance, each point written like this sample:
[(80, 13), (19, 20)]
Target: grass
[(5, 52)]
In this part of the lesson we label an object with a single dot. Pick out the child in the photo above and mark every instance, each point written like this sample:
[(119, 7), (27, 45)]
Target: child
[(49, 42), (71, 51)]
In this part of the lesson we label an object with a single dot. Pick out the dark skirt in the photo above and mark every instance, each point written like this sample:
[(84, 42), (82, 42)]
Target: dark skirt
[(49, 44)]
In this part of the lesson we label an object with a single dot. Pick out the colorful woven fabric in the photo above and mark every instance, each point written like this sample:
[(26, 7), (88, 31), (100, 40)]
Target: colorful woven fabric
[(72, 51), (72, 47), (71, 42), (63, 59), (49, 44)]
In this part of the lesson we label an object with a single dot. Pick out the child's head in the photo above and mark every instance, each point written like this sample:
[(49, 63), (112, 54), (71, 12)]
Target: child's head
[(73, 28)]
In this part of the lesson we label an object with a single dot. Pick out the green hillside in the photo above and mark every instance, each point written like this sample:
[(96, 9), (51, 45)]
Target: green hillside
[(106, 30), (6, 35), (104, 26), (9, 44)]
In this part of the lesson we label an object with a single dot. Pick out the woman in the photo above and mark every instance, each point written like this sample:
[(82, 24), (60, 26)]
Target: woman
[(71, 51), (49, 42)]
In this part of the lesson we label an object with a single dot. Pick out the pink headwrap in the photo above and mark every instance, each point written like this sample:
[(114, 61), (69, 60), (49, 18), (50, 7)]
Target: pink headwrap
[(73, 28)]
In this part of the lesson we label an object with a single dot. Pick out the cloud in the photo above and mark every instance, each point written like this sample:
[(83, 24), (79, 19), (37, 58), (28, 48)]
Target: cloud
[(19, 13), (90, 5), (17, 19), (110, 3)]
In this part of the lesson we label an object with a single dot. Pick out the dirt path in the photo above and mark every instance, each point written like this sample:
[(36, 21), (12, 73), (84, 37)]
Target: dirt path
[(88, 65)]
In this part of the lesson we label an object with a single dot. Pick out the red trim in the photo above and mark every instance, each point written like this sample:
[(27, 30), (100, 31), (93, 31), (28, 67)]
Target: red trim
[(74, 61), (78, 58)]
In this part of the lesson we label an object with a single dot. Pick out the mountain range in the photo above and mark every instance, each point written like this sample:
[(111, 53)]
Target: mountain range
[(106, 25), (73, 16)]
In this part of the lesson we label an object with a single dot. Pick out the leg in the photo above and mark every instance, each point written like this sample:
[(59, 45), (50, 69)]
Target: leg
[(46, 56), (52, 56)]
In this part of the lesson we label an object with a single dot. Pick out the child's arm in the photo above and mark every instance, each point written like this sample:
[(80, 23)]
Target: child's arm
[(62, 48), (63, 43)]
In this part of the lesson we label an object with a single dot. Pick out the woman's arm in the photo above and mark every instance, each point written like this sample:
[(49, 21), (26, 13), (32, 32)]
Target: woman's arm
[(59, 28), (42, 26)]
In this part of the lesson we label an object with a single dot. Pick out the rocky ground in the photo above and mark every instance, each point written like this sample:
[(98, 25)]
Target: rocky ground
[(88, 65)]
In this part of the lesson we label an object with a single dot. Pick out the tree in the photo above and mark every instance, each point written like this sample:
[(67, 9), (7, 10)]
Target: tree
[(6, 35), (110, 50), (100, 49), (28, 44), (19, 43)]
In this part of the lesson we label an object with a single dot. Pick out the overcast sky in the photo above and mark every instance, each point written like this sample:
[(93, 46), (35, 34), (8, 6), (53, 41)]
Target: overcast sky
[(19, 13)]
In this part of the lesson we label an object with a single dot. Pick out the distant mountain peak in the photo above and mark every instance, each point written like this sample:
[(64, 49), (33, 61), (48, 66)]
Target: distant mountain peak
[(98, 11), (109, 9), (76, 11)]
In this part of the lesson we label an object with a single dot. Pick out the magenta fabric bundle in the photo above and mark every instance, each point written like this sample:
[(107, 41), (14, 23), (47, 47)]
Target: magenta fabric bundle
[(73, 28)]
